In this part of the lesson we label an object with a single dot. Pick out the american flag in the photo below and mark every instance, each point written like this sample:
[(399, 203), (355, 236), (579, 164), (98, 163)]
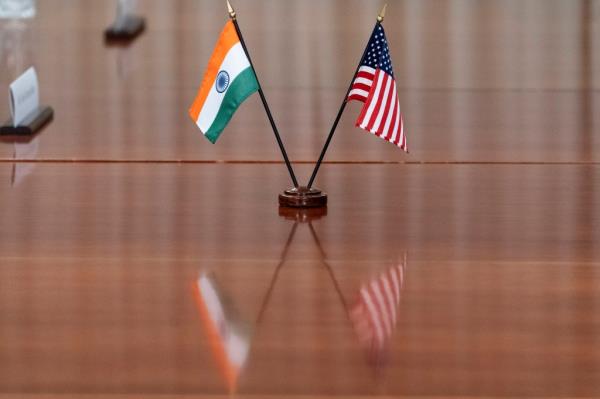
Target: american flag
[(375, 86), (375, 313)]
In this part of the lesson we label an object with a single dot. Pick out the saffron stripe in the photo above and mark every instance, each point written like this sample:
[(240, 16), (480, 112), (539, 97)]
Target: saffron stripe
[(235, 62), (227, 40)]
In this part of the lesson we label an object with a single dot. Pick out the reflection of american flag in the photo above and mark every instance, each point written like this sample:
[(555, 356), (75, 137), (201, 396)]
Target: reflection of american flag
[(375, 312), (374, 85)]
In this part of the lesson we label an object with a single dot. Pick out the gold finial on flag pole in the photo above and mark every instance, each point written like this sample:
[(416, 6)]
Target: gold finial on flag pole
[(381, 15), (231, 10)]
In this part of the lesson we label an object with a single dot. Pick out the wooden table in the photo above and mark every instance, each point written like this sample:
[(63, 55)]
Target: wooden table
[(110, 216)]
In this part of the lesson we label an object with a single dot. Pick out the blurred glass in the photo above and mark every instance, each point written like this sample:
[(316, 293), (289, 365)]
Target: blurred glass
[(24, 151), (125, 9), (15, 50), (17, 8)]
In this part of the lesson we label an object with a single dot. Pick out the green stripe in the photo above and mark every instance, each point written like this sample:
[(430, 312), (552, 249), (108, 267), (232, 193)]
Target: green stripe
[(243, 85)]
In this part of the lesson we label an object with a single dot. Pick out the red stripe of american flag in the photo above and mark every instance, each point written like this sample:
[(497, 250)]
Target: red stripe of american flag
[(380, 93), (375, 313), (362, 84), (381, 110)]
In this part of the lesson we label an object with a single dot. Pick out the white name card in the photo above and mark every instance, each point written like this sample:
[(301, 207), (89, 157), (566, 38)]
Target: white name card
[(24, 96)]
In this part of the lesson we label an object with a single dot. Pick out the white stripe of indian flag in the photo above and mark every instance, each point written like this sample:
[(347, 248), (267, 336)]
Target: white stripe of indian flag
[(220, 107)]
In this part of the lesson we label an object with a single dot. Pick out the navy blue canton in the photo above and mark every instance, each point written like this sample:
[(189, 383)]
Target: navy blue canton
[(378, 53)]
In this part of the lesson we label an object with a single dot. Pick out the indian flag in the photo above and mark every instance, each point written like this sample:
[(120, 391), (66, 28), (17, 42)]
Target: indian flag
[(228, 81)]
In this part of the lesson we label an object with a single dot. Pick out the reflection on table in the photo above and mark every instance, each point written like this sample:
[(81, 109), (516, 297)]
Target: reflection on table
[(24, 152), (374, 314)]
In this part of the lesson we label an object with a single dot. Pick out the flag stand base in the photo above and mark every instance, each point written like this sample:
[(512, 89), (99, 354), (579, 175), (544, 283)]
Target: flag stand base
[(302, 197), (302, 215)]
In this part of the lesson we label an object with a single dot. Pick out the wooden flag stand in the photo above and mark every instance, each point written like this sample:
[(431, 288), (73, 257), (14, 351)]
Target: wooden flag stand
[(302, 215), (303, 197), (297, 196)]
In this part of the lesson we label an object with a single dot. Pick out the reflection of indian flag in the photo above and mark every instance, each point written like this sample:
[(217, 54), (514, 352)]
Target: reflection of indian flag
[(228, 335), (228, 81)]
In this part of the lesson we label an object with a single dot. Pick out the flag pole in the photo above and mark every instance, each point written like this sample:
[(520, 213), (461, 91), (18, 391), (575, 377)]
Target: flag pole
[(233, 17), (380, 18), (283, 259)]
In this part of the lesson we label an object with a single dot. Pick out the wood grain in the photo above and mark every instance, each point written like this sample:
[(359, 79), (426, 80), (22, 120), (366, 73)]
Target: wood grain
[(494, 213), (97, 263), (477, 80)]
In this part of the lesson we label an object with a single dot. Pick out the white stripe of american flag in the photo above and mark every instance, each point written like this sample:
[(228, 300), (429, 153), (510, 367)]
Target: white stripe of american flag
[(362, 84), (375, 313), (393, 115), (386, 127), (386, 106), (389, 295), (370, 106), (383, 313), (372, 314)]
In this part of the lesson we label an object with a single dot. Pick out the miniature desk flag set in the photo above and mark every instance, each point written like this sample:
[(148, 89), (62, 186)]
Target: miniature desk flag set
[(230, 78)]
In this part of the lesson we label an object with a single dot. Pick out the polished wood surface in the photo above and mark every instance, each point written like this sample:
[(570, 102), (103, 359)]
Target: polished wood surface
[(500, 297), (110, 215)]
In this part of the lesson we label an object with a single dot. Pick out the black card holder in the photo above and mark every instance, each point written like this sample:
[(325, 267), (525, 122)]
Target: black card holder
[(30, 125), (126, 31)]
